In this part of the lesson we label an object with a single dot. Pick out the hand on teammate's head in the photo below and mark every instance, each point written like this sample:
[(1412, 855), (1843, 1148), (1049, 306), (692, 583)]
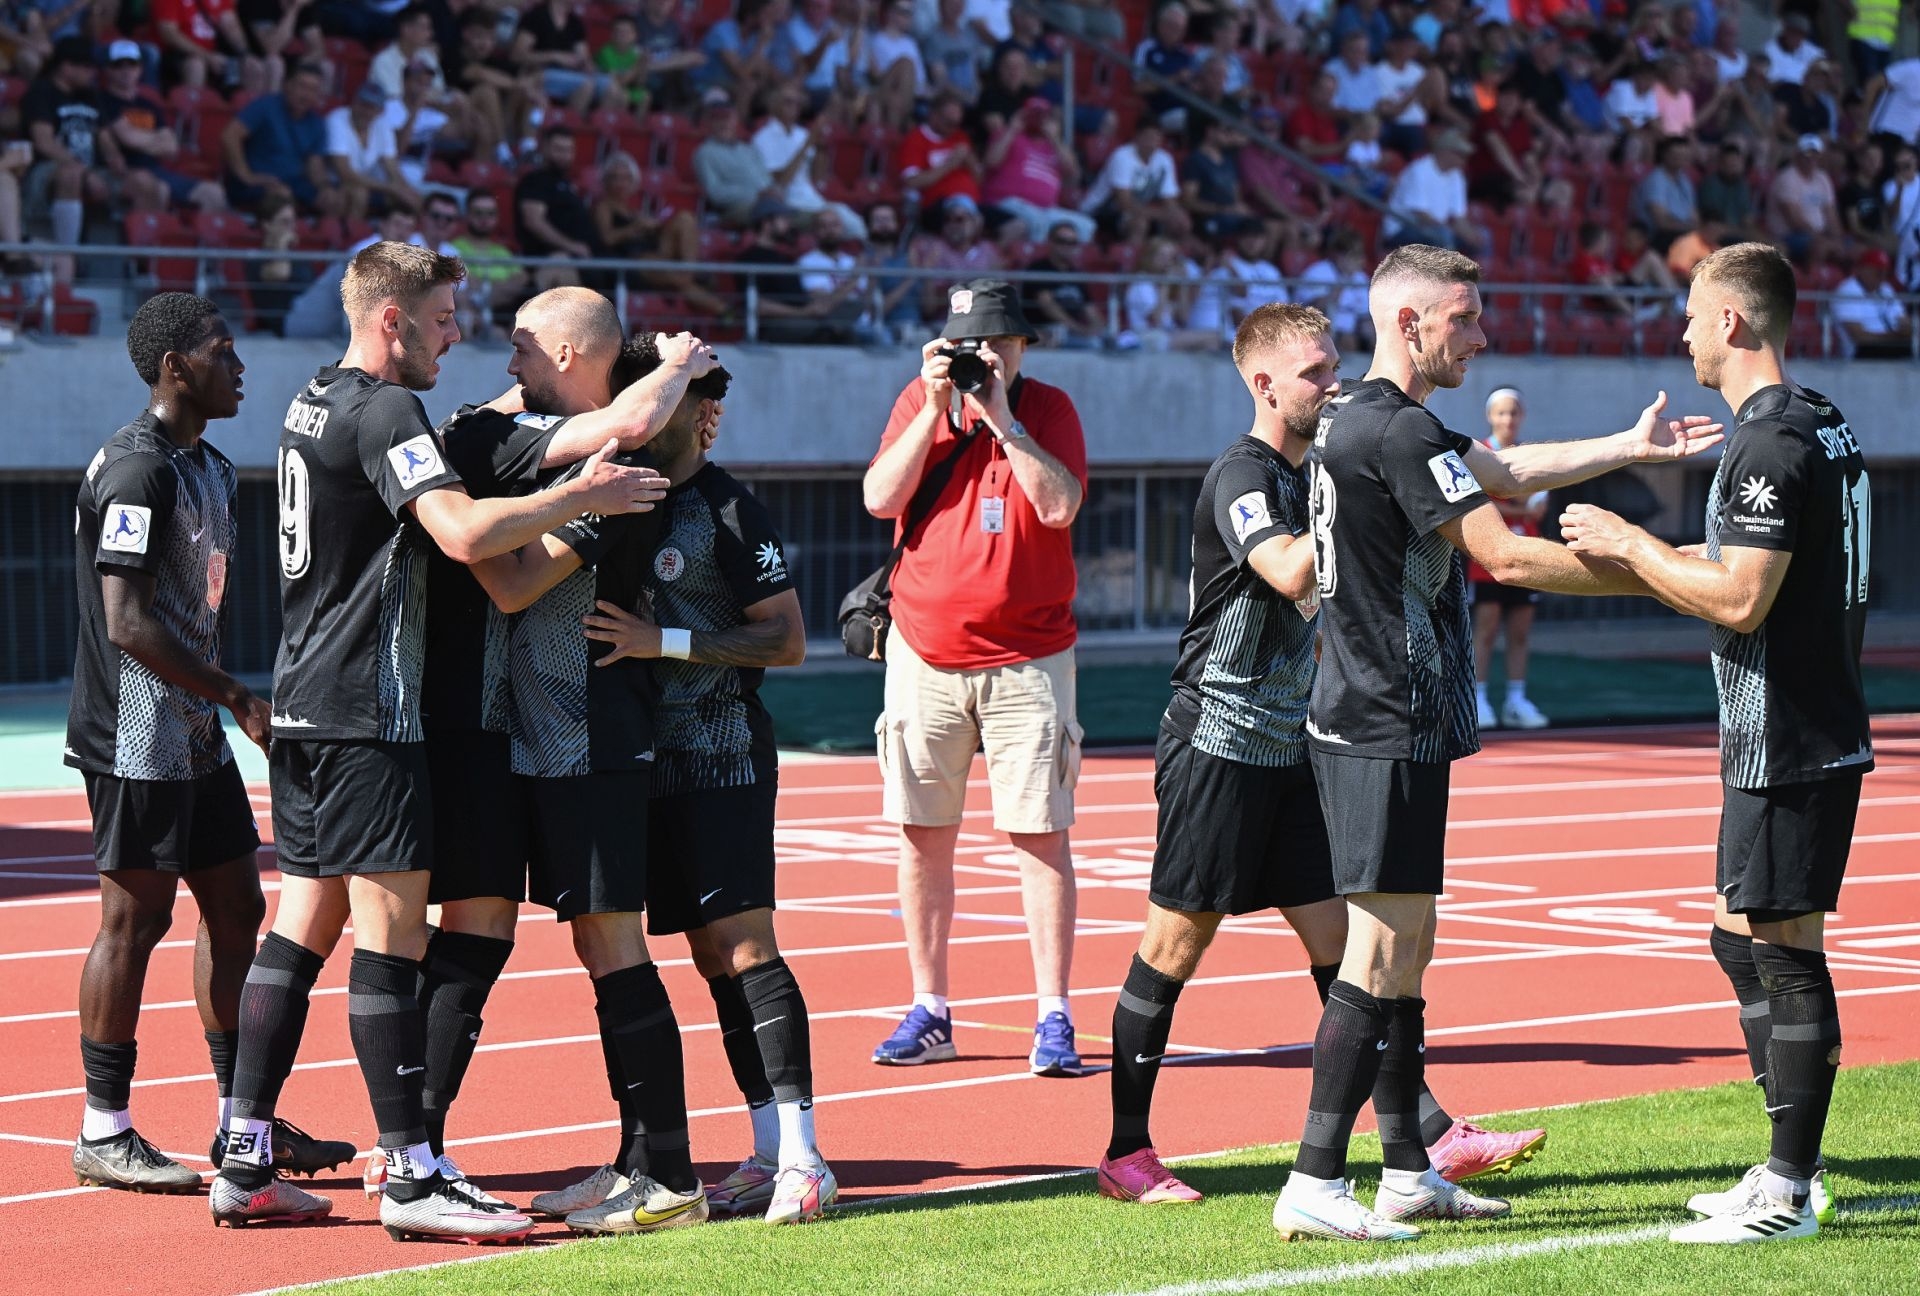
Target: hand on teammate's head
[(685, 348)]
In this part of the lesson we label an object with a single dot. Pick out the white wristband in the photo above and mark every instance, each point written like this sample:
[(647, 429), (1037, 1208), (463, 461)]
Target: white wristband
[(677, 644)]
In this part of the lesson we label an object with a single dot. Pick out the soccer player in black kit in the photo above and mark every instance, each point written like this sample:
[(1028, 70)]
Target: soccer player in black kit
[(1782, 579), (363, 487), (156, 530), (1397, 499)]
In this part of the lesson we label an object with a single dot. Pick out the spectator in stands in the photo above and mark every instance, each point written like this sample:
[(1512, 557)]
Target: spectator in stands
[(1313, 127), (272, 26), (1029, 167), (1356, 78), (138, 123), (623, 228), (1432, 192), (273, 284), (1062, 310), (899, 297), (424, 131), (1583, 117), (1095, 20), (552, 43), (1364, 164), (1410, 92), (1254, 279), (623, 61), (1155, 309), (365, 155), (1505, 168), (1337, 285), (1791, 52), (198, 37), (16, 157), (1138, 189), (1813, 106), (788, 313), (24, 41), (1665, 200), (1632, 102), (439, 222), (1210, 184), (412, 43), (1363, 18), (1594, 263), (957, 249), (671, 60), (732, 174), (829, 271), (1011, 80), (74, 160), (1746, 111), (749, 52), (1729, 58), (1501, 608), (479, 68), (793, 157), (550, 215), (936, 159), (1801, 206), (1873, 323), (1874, 27), (279, 143), (1673, 97), (1222, 52), (1542, 77), (1165, 54), (1728, 205), (493, 292), (1863, 212), (1892, 109), (830, 53), (1900, 196), (894, 64), (954, 52), (1275, 185)]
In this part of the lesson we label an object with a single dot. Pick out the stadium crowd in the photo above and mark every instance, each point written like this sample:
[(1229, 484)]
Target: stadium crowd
[(1581, 142)]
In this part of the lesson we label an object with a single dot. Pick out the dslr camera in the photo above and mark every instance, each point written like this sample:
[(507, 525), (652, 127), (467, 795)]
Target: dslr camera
[(968, 372)]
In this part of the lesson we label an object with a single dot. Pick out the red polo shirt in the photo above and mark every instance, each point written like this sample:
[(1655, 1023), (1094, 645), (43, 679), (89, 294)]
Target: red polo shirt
[(964, 597), (922, 150)]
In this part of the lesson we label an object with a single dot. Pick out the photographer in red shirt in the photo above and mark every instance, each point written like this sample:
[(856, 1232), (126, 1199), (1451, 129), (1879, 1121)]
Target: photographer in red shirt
[(981, 651)]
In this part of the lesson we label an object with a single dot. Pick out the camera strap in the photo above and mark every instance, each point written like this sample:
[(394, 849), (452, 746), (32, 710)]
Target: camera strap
[(1014, 388)]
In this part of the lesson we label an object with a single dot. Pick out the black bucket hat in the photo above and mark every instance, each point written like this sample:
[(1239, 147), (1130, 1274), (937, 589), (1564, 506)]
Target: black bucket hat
[(985, 308)]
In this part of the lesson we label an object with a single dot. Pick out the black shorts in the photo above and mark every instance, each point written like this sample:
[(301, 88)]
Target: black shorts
[(1783, 850), (1234, 838), (1387, 820), (1504, 596), (587, 839), (346, 806), (710, 855), (480, 818), (175, 827)]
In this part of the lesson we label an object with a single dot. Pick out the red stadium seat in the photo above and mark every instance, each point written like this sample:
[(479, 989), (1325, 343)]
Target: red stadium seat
[(162, 230), (674, 138)]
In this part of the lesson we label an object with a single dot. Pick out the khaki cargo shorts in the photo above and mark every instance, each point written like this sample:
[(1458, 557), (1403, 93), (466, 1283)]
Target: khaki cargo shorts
[(935, 720)]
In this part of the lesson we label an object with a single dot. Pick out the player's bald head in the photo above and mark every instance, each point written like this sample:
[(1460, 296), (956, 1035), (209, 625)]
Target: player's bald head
[(577, 317)]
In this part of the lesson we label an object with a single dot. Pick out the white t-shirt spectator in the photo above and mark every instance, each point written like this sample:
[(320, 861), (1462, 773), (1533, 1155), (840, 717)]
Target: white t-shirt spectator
[(1342, 297), (1898, 111), (1791, 69), (777, 145), (884, 49), (1436, 195), (1355, 91), (1395, 82), (388, 70), (995, 15), (1876, 312), (1208, 313), (1631, 108), (427, 123), (823, 272), (1148, 179), (1258, 282), (1730, 66), (1364, 153), (363, 158)]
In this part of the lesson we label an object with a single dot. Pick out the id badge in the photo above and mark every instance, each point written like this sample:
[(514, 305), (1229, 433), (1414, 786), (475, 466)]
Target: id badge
[(216, 579), (993, 514)]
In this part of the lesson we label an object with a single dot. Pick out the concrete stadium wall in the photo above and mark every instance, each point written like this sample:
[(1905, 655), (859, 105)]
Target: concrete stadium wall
[(823, 408)]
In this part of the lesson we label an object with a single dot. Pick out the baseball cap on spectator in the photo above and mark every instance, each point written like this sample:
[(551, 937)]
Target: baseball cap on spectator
[(985, 308), (1812, 144), (957, 203), (123, 51)]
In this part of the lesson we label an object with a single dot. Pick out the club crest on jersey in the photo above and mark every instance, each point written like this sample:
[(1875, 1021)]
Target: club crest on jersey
[(126, 529), (1756, 494), (539, 422), (1455, 479), (415, 460), (669, 564), (1249, 514), (773, 565)]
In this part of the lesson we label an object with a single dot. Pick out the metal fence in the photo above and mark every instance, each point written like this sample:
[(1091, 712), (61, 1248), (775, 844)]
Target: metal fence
[(1132, 543)]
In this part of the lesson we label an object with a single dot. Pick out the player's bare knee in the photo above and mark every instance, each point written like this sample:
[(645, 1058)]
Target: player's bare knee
[(491, 916), (1174, 941), (609, 942), (706, 958), (744, 941), (133, 926)]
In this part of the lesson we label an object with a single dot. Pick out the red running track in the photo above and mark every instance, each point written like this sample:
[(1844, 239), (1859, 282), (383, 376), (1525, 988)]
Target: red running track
[(1572, 965)]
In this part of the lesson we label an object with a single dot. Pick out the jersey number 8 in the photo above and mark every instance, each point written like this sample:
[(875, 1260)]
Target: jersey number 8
[(296, 508)]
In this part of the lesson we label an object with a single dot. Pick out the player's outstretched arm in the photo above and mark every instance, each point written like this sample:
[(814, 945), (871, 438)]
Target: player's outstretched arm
[(469, 530), (1534, 563), (515, 581), (641, 409), (1736, 592), (1548, 465), (127, 598), (1285, 563), (774, 635)]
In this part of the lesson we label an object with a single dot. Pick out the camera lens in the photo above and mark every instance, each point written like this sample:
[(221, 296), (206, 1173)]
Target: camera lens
[(968, 371)]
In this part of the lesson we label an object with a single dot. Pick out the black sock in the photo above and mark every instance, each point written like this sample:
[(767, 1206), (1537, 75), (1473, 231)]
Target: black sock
[(1734, 953), (455, 979), (390, 1039), (736, 1036), (1396, 1089), (636, 1019), (1324, 975), (273, 1016), (1142, 1023), (1803, 1055), (109, 1071), (221, 1047), (780, 1029), (631, 1159), (1434, 1120), (1346, 1058)]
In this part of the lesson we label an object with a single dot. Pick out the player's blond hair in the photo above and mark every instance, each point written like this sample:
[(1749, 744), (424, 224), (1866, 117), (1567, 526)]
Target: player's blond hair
[(395, 272), (1759, 278), (1276, 324)]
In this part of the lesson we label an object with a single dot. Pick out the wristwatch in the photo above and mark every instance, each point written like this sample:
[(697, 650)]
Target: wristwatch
[(1016, 431)]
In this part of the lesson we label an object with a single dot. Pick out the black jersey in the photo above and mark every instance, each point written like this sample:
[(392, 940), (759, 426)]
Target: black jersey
[(150, 506), (1396, 660), (353, 580), (466, 645), (719, 556), (1792, 708), (570, 716), (1245, 670)]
